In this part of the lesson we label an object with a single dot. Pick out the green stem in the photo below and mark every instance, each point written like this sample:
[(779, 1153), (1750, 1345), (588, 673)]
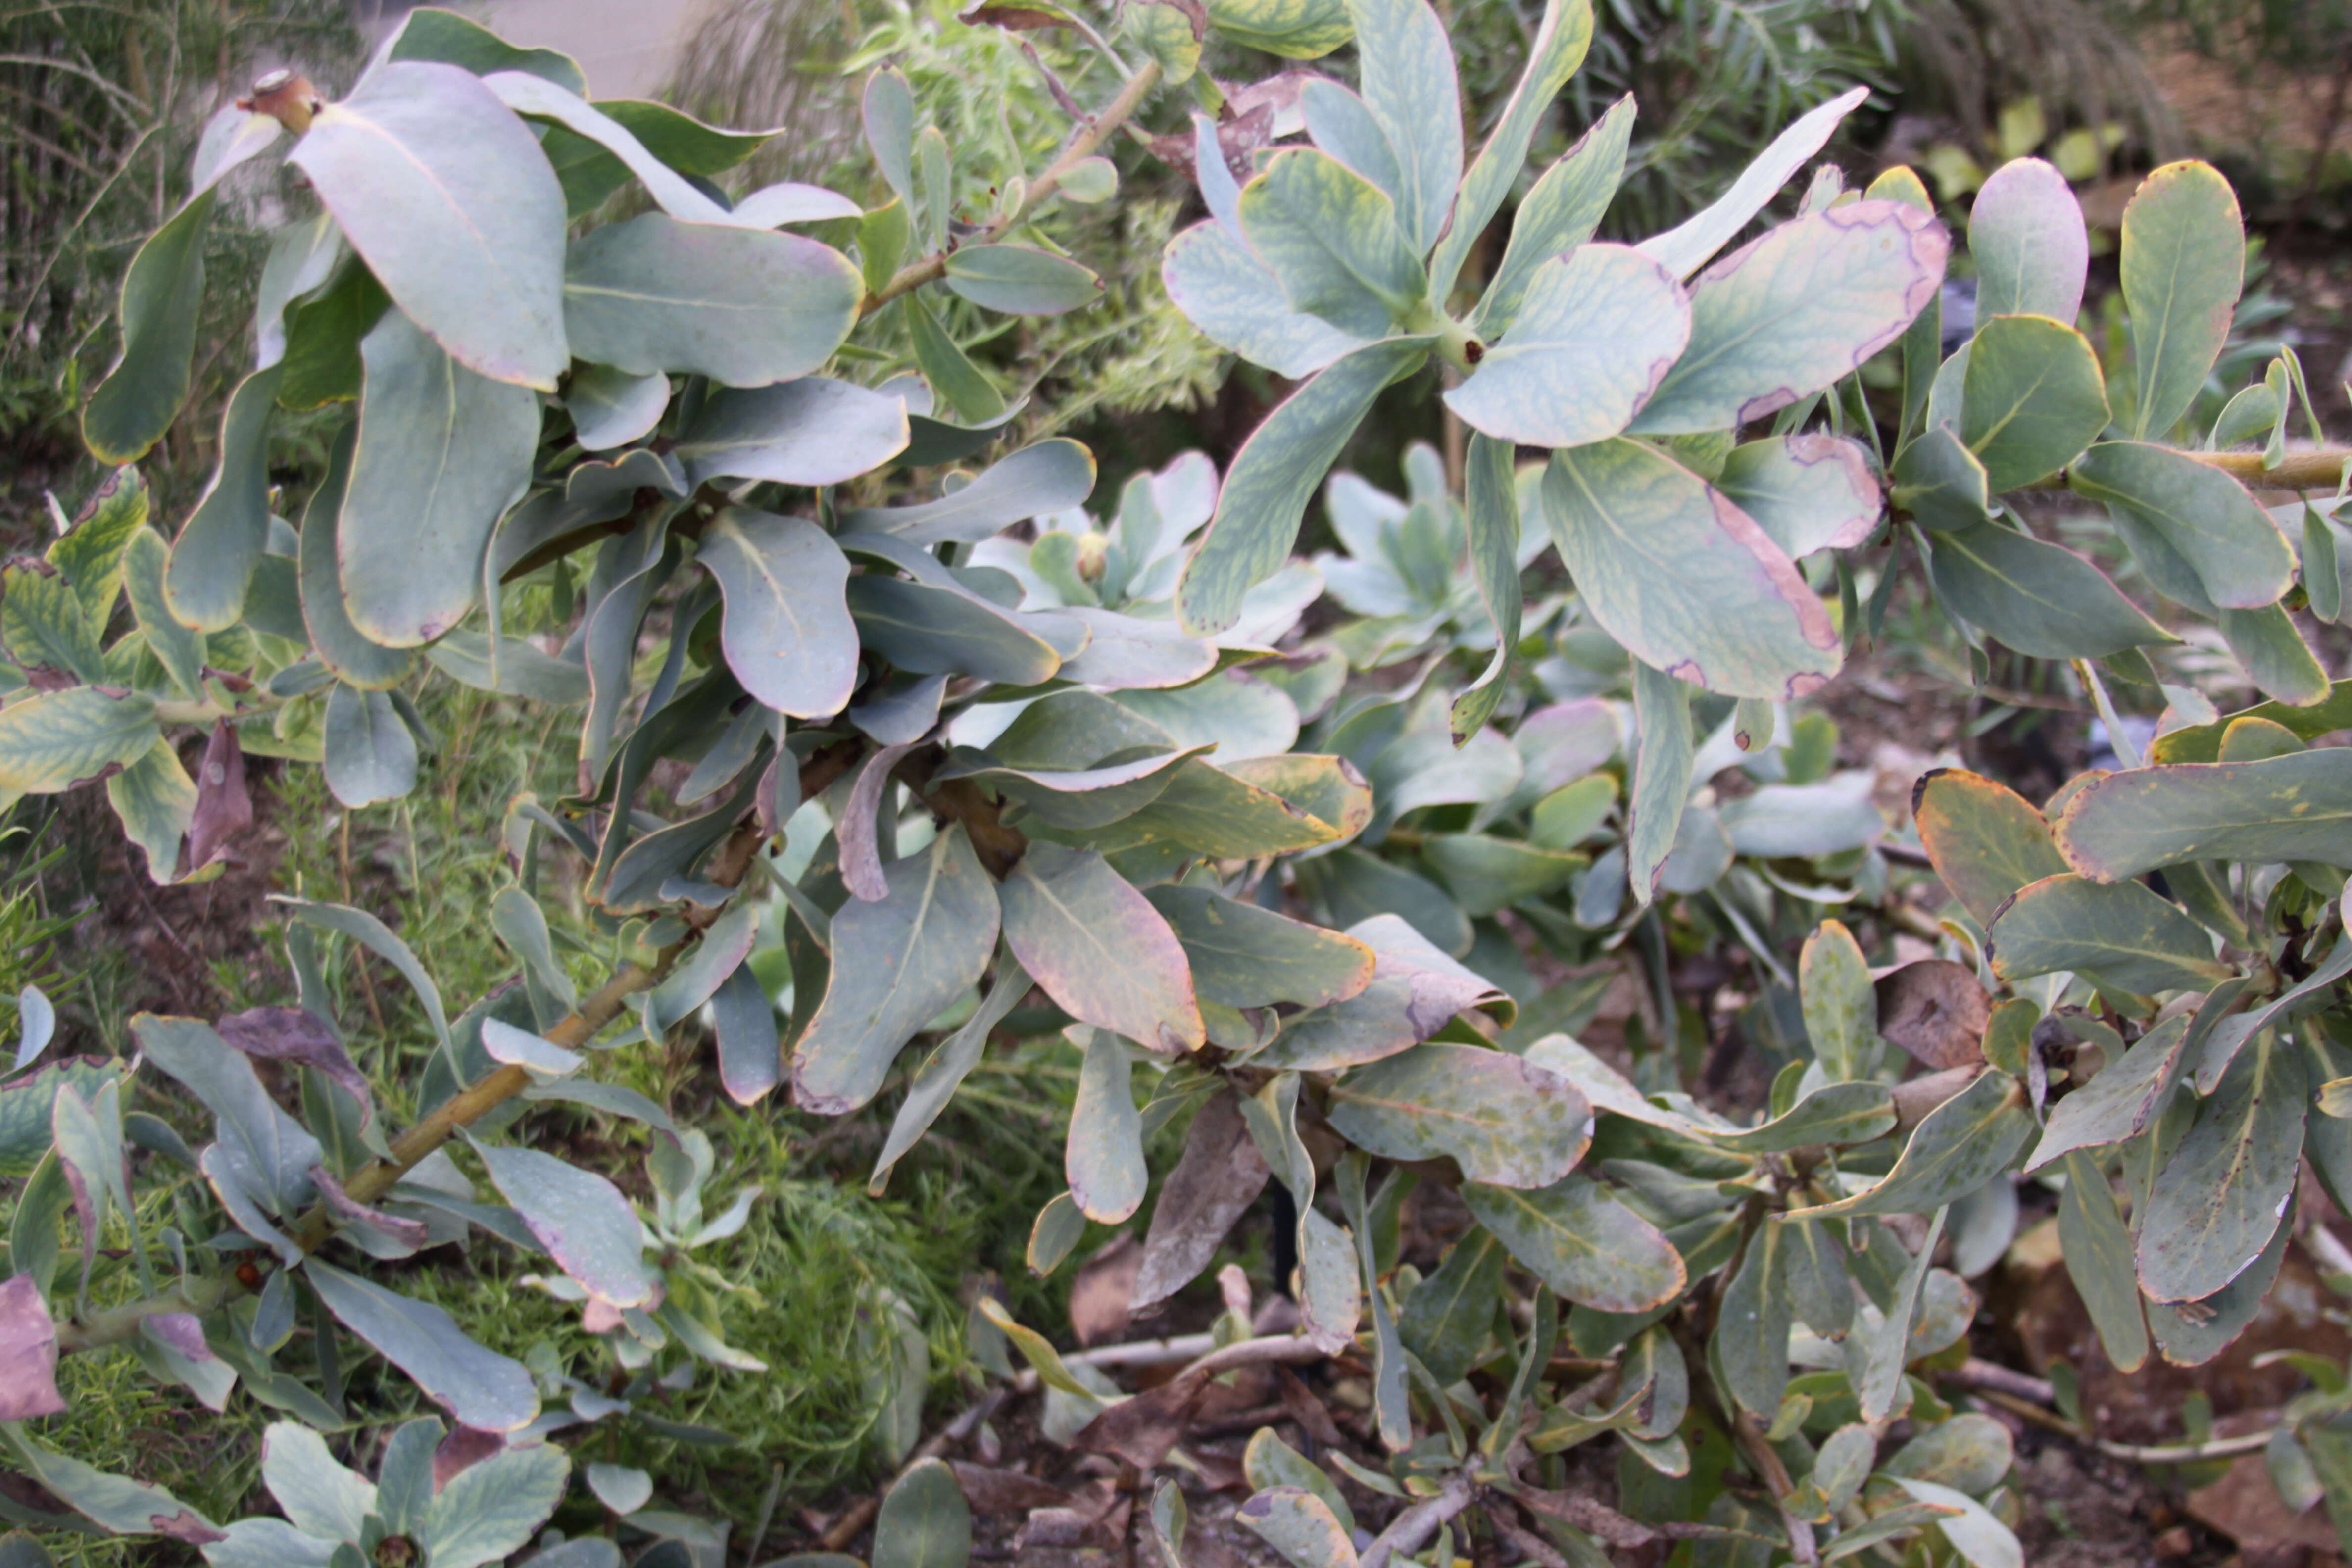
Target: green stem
[(1084, 145)]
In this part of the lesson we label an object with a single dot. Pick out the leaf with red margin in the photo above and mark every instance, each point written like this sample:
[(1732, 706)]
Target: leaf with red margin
[(1810, 491), (120, 1504), (1099, 949), (1800, 306), (1597, 333), (298, 1035), (1687, 582)]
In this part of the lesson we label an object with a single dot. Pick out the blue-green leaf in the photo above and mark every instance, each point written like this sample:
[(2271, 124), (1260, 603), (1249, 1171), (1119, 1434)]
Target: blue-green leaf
[(441, 453), (483, 1389), (1020, 279), (1685, 249), (1406, 63), (2118, 933), (1797, 308), (1576, 1238), (1273, 476), (1333, 240), (1046, 476), (371, 753), (1230, 295), (2037, 597), (339, 645), (162, 289), (2216, 1203), (1681, 578), (786, 632), (744, 307), (429, 33), (447, 196), (582, 1219), (1596, 332), (897, 964), (1810, 491), (813, 431), (2184, 260), (2032, 398), (1491, 511), (1561, 42), (213, 559), (2027, 237), (1099, 949), (1559, 215), (490, 1509), (2239, 554), (1342, 125)]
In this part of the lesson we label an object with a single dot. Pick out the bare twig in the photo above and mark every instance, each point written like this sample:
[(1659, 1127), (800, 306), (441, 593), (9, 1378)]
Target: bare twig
[(1288, 1350), (1775, 1474), (2137, 1453), (1193, 1352), (1532, 1547), (1984, 1374), (2318, 469), (2185, 1452), (1411, 1529)]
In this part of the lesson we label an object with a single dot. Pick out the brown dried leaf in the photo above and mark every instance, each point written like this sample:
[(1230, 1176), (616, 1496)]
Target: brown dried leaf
[(1220, 1174), (1305, 1409), (992, 1490), (2244, 1505), (1142, 1429), (1101, 1294), (224, 806), (1936, 1010)]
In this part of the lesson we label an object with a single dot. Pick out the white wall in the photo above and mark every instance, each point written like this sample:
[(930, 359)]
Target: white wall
[(625, 45)]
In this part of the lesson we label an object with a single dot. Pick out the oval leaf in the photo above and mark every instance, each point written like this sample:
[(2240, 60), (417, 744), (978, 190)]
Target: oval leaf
[(447, 196), (1582, 1243), (1595, 333), (1795, 309), (1684, 579), (1503, 1119)]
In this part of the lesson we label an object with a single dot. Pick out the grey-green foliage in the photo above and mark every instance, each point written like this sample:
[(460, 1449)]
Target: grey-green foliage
[(1295, 887)]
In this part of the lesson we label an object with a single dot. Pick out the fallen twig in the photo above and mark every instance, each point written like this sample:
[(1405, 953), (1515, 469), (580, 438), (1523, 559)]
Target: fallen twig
[(1411, 1529), (1193, 1352), (1984, 1374), (1532, 1547), (2137, 1453), (2332, 1256)]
